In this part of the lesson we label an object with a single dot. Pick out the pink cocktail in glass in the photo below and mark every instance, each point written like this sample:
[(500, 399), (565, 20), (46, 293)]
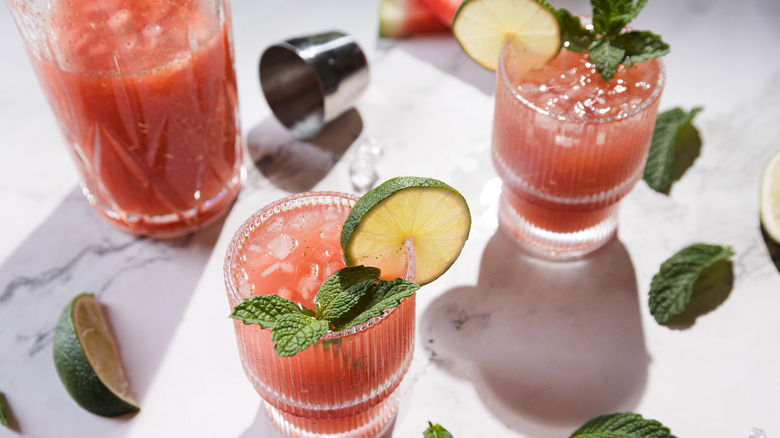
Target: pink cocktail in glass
[(568, 146), (345, 384), (145, 95)]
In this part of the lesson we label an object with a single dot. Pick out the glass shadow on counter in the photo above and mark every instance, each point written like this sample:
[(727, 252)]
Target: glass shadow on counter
[(298, 165), (547, 345), (143, 285)]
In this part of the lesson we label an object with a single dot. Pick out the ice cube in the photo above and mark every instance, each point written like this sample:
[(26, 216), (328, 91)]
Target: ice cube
[(363, 175), (282, 246), (246, 289), (331, 232), (309, 285), (275, 225), (757, 433)]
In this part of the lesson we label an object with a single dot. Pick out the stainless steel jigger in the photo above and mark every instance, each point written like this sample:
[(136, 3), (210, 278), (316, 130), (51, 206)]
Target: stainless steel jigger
[(311, 80)]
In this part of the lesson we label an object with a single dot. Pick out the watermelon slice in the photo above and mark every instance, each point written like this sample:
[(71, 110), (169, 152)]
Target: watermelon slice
[(399, 18), (443, 10)]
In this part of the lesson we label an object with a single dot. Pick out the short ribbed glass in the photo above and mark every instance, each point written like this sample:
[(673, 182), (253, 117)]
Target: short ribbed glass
[(565, 168), (345, 384)]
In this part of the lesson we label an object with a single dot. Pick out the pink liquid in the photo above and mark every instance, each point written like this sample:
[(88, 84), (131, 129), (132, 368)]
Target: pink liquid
[(345, 383), (568, 146), (145, 93)]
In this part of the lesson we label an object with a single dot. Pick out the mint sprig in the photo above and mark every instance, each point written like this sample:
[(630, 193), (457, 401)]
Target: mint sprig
[(672, 287), (348, 298), (436, 431), (608, 44), (622, 425), (663, 153)]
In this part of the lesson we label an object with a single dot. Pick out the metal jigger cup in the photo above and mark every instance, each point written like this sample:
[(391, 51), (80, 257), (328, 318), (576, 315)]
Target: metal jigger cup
[(311, 80)]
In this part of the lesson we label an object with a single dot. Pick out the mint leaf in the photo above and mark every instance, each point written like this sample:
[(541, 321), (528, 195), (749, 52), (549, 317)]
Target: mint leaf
[(340, 281), (349, 297), (622, 425), (381, 295), (606, 56), (5, 416), (294, 332), (672, 287), (436, 431), (344, 302), (265, 309), (662, 154), (609, 44), (611, 16), (641, 46), (574, 35)]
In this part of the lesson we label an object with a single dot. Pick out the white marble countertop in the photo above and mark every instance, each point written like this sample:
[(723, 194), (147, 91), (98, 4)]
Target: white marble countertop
[(507, 346)]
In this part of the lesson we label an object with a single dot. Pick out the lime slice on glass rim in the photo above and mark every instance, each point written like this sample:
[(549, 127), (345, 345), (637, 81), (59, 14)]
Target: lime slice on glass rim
[(87, 360), (770, 197), (408, 227), (483, 27)]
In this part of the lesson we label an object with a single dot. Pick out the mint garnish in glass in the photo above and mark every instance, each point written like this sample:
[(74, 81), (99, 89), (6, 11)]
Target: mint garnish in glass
[(348, 298), (607, 40)]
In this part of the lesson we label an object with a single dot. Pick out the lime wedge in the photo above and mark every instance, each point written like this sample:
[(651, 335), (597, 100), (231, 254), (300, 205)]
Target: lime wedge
[(770, 197), (482, 27), (87, 360), (408, 227)]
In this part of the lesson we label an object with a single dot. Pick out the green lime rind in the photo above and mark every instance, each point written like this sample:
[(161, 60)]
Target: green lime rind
[(376, 199), (77, 373)]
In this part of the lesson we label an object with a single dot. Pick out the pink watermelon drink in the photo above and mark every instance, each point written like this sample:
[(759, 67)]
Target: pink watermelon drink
[(569, 145), (145, 94), (344, 384)]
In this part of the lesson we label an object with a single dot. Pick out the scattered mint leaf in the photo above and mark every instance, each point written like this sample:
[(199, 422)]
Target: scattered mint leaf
[(622, 425), (436, 431), (341, 281), (606, 55), (609, 44), (5, 415), (294, 332), (662, 154), (672, 287), (383, 295), (265, 309), (574, 35)]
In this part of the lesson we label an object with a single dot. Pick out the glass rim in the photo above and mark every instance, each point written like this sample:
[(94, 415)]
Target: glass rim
[(504, 79), (264, 214)]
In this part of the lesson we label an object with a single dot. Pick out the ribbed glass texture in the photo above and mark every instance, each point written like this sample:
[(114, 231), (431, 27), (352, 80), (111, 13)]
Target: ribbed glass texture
[(563, 175), (145, 95), (342, 386)]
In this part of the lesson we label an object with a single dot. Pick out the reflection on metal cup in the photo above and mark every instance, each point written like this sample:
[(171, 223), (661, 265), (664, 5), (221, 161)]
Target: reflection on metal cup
[(311, 80)]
